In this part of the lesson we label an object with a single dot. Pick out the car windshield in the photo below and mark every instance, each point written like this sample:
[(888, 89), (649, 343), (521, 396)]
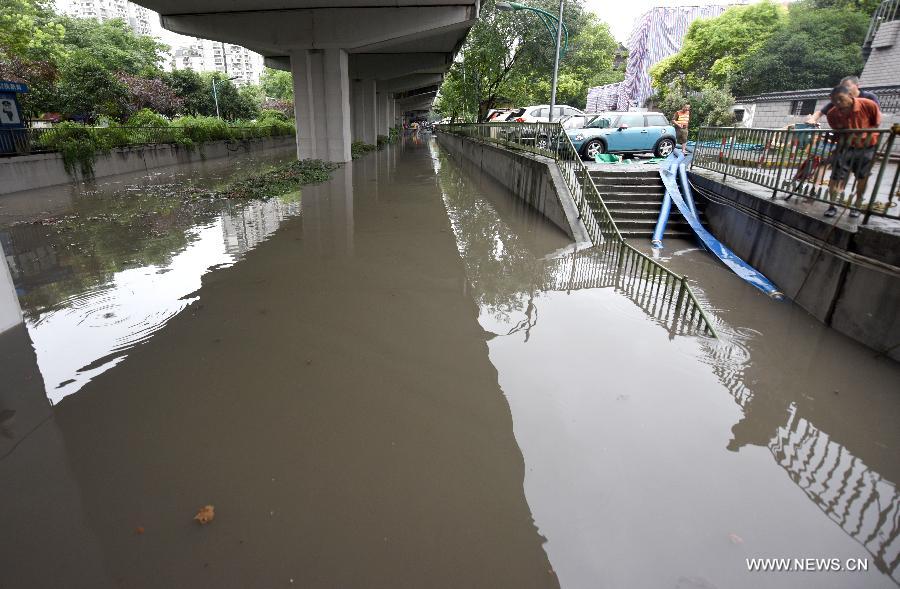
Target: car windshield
[(600, 123)]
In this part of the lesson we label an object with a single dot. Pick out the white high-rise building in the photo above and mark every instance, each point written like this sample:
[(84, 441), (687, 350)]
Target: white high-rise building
[(234, 61), (137, 17)]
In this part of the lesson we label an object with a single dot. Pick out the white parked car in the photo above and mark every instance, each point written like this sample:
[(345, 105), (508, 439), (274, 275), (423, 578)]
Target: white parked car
[(541, 113)]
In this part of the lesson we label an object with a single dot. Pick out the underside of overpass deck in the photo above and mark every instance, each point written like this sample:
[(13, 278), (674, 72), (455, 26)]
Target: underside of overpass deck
[(358, 65)]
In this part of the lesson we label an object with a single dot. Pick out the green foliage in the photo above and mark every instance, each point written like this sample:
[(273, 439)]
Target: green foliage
[(29, 29), (508, 57), (709, 107), (78, 146), (865, 7), (147, 118), (278, 180), (86, 89), (715, 49), (360, 148), (763, 48), (114, 45), (277, 84), (200, 129), (816, 48)]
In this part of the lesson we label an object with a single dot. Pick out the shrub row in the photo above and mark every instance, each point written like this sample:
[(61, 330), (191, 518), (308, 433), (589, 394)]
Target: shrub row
[(79, 144)]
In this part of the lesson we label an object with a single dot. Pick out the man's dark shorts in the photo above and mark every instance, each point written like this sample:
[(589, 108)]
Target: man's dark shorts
[(852, 160), (681, 134)]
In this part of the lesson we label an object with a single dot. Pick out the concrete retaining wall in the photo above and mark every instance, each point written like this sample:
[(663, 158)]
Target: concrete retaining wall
[(847, 279), (10, 312), (533, 178), (46, 169)]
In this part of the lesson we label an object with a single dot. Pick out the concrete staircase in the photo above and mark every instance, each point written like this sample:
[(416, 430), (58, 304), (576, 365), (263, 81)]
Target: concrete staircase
[(634, 199)]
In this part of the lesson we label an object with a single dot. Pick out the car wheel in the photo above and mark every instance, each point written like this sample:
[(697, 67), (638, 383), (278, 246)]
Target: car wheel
[(664, 148), (594, 147), (543, 142)]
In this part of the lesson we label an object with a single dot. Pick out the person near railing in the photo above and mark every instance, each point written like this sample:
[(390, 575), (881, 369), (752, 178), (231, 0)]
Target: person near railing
[(682, 121), (852, 84), (855, 152)]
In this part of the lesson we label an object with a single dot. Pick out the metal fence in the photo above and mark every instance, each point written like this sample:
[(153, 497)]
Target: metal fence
[(854, 169), (643, 277), (47, 139)]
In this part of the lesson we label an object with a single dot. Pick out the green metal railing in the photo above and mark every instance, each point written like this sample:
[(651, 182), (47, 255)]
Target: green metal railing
[(800, 162), (648, 280), (47, 139)]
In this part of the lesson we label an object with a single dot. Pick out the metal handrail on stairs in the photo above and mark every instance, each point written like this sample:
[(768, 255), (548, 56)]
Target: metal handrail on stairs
[(658, 284)]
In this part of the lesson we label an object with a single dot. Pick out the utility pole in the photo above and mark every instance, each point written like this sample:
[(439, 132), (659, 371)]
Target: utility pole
[(559, 30)]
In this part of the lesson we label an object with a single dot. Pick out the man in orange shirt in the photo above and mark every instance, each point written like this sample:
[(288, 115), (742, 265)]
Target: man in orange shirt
[(855, 152), (682, 121)]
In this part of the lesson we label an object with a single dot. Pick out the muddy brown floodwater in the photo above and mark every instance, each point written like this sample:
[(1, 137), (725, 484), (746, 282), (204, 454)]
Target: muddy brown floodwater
[(405, 378)]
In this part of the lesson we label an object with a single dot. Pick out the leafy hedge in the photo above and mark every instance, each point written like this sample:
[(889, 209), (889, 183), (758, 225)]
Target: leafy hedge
[(79, 144)]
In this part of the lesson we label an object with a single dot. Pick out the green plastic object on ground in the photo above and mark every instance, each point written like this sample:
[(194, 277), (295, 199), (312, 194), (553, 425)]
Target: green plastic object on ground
[(611, 158)]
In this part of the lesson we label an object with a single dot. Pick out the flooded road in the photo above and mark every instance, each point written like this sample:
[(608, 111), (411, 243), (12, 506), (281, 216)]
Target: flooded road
[(405, 378)]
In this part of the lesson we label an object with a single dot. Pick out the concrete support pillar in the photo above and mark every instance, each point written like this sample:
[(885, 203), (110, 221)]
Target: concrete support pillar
[(322, 104), (365, 124), (384, 99), (10, 312)]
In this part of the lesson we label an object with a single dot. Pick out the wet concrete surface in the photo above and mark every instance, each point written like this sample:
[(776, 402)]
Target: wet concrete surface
[(394, 379)]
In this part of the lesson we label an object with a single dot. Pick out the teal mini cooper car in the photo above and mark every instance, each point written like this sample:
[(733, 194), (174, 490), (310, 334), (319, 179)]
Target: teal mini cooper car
[(624, 132)]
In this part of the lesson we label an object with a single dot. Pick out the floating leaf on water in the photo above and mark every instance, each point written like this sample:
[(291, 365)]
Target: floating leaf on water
[(206, 514)]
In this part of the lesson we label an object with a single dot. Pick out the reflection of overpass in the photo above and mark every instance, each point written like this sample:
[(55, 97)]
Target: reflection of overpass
[(355, 62)]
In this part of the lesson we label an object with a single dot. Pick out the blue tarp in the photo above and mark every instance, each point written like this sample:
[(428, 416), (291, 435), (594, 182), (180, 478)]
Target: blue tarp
[(668, 170)]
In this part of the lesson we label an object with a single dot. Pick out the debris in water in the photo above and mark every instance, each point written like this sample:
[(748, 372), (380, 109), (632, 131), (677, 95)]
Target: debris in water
[(206, 515), (735, 539), (139, 530)]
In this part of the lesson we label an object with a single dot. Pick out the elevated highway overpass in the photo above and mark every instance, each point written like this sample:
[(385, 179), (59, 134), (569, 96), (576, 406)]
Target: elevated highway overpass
[(358, 65)]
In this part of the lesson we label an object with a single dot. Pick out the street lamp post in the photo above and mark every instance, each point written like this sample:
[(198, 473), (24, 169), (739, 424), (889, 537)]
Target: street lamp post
[(555, 31), (216, 93)]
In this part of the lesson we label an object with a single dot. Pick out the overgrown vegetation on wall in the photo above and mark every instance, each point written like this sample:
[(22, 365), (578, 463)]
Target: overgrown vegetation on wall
[(79, 144)]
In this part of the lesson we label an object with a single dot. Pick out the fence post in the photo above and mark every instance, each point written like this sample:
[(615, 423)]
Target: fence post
[(682, 289), (730, 156), (780, 166), (884, 164)]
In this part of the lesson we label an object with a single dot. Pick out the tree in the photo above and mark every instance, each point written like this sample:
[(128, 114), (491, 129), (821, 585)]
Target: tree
[(277, 84), (148, 93), (715, 49), (816, 48), (114, 45), (30, 44), (507, 59), (86, 89), (710, 107), (196, 92), (588, 63), (866, 7)]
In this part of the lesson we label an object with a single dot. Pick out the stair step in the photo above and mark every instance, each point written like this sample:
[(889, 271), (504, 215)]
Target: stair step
[(635, 235), (632, 190), (630, 183), (626, 176)]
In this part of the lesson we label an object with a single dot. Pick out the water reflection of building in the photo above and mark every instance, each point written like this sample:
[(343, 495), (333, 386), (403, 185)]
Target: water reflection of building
[(32, 260), (85, 311), (244, 227)]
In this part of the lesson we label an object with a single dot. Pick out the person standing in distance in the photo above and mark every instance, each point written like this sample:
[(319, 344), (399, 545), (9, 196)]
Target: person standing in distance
[(682, 121)]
